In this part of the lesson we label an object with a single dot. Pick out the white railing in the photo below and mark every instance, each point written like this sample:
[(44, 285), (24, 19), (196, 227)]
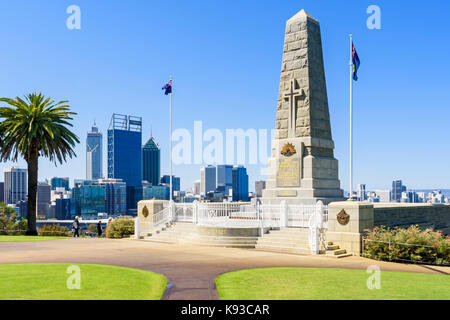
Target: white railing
[(162, 217), (184, 212)]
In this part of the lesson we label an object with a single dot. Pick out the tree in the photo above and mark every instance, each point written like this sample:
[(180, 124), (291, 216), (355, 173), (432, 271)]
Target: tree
[(32, 127)]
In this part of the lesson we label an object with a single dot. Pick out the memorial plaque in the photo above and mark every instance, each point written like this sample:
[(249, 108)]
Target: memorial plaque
[(287, 193), (288, 174)]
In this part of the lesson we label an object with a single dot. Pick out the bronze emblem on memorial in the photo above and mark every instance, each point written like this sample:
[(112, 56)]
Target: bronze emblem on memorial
[(343, 217), (288, 150), (145, 212)]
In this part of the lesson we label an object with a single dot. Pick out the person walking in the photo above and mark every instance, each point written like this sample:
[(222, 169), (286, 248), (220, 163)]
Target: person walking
[(76, 227), (99, 229)]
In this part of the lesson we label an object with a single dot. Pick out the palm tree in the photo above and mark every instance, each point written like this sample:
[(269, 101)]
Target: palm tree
[(32, 127)]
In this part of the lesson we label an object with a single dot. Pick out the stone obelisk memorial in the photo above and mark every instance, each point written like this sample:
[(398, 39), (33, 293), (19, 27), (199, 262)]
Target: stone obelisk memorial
[(302, 168)]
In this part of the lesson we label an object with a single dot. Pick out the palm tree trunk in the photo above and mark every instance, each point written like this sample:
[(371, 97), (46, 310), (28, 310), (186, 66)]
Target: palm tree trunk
[(32, 193)]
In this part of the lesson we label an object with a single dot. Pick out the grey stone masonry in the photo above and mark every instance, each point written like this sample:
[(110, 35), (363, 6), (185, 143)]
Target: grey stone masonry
[(302, 167)]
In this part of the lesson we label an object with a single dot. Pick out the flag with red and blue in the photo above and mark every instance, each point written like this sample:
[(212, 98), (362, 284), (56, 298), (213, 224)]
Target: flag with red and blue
[(167, 88)]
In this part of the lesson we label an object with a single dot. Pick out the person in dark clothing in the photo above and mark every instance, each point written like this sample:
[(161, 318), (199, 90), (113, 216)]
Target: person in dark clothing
[(99, 229), (76, 227)]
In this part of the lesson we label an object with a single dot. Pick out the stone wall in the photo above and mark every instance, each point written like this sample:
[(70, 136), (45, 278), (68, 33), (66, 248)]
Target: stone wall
[(365, 215)]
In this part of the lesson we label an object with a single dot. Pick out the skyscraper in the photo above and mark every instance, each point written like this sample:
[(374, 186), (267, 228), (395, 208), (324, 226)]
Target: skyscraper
[(116, 196), (361, 195), (240, 184), (16, 185), (43, 198), (2, 192), (397, 189), (151, 162), (176, 182), (125, 155), (94, 154), (259, 187), (224, 178), (207, 179)]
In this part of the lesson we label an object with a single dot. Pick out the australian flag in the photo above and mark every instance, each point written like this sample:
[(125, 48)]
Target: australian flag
[(167, 88), (356, 63)]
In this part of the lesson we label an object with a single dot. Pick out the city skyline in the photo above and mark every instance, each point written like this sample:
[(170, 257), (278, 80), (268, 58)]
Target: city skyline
[(139, 77)]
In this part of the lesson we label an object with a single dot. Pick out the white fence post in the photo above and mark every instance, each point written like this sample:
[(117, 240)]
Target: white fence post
[(137, 228), (172, 211), (195, 212), (283, 214)]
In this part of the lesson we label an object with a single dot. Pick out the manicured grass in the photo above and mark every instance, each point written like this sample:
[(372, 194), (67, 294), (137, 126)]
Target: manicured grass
[(28, 238), (98, 282), (329, 284)]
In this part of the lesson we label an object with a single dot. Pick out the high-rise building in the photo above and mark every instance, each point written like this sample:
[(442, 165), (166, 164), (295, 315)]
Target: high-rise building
[(156, 192), (240, 184), (43, 198), (2, 192), (57, 182), (176, 182), (196, 187), (207, 180), (16, 185), (62, 209), (88, 200), (224, 178), (125, 156), (151, 162), (94, 154), (116, 196), (361, 193), (259, 187), (397, 189), (383, 195)]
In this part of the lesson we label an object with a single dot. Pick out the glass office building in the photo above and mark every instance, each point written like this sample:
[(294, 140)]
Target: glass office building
[(125, 156), (94, 154), (156, 192), (116, 196), (88, 200), (176, 182), (57, 182), (224, 178), (240, 184), (151, 162)]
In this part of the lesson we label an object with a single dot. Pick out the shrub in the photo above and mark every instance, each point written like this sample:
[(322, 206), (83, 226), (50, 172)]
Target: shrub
[(53, 231), (412, 244), (9, 224), (120, 228), (92, 229)]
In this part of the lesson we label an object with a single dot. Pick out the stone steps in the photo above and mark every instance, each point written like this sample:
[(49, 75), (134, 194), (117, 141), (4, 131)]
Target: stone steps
[(334, 251)]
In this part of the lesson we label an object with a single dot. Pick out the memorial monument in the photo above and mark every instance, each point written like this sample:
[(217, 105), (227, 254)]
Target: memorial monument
[(302, 168)]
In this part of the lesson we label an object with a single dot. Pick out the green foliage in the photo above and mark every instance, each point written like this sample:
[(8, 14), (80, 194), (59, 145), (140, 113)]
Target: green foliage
[(36, 124), (9, 223), (53, 231), (92, 229), (120, 228), (412, 244)]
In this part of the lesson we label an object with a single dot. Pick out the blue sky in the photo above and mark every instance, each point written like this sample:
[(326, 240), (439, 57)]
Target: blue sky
[(226, 59)]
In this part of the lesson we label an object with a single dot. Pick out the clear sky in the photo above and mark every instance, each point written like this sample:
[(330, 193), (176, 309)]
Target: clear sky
[(225, 57)]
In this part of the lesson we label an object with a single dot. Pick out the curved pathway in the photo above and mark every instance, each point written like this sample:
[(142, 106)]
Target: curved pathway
[(191, 270)]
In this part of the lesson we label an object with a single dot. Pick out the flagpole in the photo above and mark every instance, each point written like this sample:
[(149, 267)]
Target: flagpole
[(351, 118), (171, 141)]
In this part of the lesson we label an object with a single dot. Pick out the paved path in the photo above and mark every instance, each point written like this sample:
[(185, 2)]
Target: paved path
[(191, 270)]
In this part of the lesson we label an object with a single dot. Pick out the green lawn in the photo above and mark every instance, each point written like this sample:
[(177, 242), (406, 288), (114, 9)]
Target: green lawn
[(98, 282), (329, 284), (28, 238)]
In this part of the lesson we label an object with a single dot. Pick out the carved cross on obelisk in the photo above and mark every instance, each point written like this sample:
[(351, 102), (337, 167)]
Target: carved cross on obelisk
[(292, 96)]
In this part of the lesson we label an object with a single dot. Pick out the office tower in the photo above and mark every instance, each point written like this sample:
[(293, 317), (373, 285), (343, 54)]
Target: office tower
[(43, 198), (259, 187), (207, 179), (240, 184), (397, 189), (57, 182), (88, 200), (156, 192), (16, 185), (125, 156), (2, 192), (116, 196), (224, 178), (176, 182), (151, 162), (383, 195), (361, 194), (94, 154), (196, 187), (62, 209)]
